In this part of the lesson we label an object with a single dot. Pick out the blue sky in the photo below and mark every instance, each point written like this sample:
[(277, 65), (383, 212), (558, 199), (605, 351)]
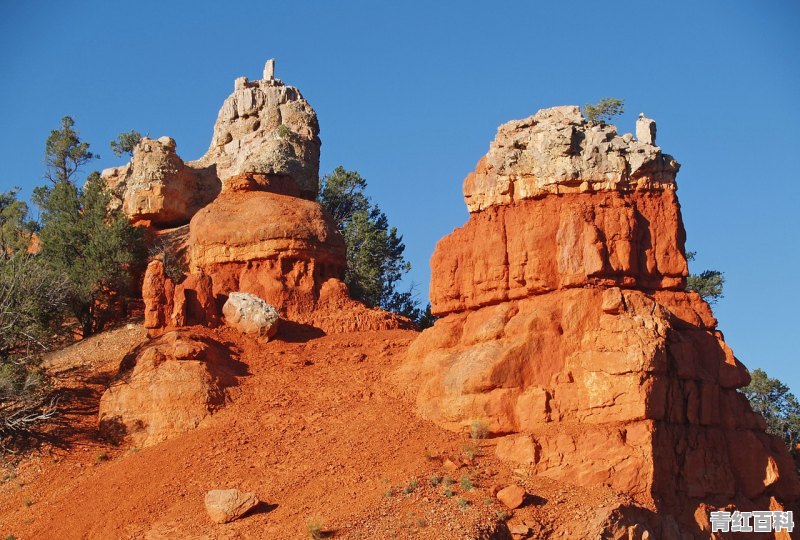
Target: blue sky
[(411, 93)]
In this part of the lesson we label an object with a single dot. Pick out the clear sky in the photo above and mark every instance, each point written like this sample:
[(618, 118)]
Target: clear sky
[(411, 93)]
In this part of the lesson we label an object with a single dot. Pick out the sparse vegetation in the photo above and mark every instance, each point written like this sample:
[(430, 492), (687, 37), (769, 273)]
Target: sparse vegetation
[(172, 257), (448, 492), (772, 399), (101, 457), (448, 481), (603, 110), (411, 487), (32, 300), (478, 429), (708, 283), (466, 483), (375, 261), (470, 451), (125, 143), (283, 131), (463, 503), (435, 480), (315, 528)]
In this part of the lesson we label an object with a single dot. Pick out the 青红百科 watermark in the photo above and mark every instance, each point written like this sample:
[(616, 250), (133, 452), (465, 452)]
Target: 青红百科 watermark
[(755, 521)]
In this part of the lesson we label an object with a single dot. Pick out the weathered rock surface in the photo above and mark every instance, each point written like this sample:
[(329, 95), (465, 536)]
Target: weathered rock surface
[(168, 387), (263, 234), (226, 505), (573, 240), (566, 328), (250, 315), (555, 151), (265, 128), (158, 188)]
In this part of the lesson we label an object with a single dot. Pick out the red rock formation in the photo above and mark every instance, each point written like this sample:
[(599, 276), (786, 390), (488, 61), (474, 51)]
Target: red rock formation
[(263, 234), (567, 329), (167, 388), (265, 132)]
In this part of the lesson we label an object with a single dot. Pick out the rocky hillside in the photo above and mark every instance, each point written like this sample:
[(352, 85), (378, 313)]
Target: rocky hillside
[(571, 387)]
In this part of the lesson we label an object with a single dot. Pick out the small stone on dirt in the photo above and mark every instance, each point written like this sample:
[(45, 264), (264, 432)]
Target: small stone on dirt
[(512, 496), (225, 505)]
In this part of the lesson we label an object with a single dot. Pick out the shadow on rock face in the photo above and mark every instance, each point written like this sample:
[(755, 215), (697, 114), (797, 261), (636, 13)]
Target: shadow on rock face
[(295, 332), (168, 386)]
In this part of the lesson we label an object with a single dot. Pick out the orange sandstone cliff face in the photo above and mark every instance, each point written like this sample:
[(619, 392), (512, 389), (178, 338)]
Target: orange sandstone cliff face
[(565, 327)]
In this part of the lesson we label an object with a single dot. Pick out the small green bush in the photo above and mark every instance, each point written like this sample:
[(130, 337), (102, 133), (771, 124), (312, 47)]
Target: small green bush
[(466, 483), (478, 429), (411, 487), (283, 131), (603, 110)]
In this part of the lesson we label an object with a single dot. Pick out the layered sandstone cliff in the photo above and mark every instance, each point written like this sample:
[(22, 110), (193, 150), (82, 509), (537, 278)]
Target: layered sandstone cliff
[(567, 329)]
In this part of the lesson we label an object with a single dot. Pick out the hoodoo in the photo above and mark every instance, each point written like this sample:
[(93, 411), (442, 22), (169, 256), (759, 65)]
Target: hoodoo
[(255, 235), (566, 327), (253, 223)]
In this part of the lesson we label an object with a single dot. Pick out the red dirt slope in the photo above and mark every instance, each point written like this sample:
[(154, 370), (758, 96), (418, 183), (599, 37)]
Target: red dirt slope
[(314, 429)]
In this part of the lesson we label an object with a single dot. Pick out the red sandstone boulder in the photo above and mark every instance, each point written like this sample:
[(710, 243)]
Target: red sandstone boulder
[(168, 387), (512, 496)]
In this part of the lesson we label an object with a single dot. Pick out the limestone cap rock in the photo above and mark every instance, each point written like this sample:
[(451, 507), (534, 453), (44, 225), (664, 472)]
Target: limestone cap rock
[(266, 127), (557, 151), (250, 315), (157, 186)]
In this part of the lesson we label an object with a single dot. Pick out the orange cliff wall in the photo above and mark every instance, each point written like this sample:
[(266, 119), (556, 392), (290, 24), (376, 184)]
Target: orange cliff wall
[(565, 326)]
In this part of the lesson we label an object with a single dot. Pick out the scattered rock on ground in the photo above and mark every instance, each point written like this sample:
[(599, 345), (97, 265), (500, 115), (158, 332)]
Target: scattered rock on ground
[(225, 505), (250, 315), (512, 496)]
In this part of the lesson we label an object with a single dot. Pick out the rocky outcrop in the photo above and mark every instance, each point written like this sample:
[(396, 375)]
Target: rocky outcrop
[(603, 239), (567, 330), (555, 151), (157, 188), (166, 388), (265, 128), (276, 247), (263, 234)]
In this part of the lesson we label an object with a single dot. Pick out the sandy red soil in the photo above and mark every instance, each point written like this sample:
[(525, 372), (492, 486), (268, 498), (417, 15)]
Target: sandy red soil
[(315, 428)]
